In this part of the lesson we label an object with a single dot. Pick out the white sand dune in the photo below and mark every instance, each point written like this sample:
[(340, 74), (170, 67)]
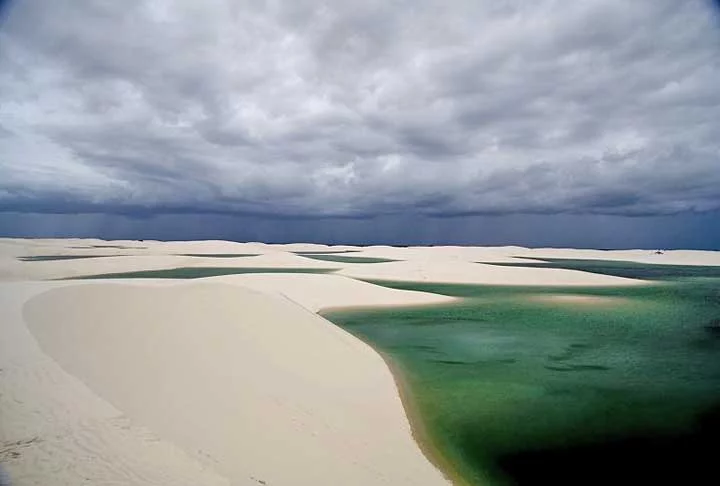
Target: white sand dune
[(323, 292), (230, 380), (18, 247), (312, 247), (441, 263), (476, 273), (56, 431), (516, 254), (13, 269), (441, 253), (666, 257), (261, 388)]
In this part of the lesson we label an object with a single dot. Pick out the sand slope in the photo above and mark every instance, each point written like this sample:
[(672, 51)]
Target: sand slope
[(477, 273), (13, 269), (322, 292), (55, 431), (259, 387)]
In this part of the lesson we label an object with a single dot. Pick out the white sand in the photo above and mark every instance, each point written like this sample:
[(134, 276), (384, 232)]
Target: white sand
[(239, 378), (578, 299), (449, 264), (476, 273), (667, 257), (224, 380), (195, 382), (56, 431), (55, 269), (323, 292)]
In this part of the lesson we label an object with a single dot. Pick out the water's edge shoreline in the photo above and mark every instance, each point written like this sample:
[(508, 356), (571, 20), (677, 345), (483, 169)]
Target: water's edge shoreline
[(418, 428)]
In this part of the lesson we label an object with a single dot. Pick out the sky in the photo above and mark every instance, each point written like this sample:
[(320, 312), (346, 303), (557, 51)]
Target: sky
[(592, 123)]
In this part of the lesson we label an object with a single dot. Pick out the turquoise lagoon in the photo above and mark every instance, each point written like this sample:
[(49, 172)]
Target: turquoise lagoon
[(534, 386)]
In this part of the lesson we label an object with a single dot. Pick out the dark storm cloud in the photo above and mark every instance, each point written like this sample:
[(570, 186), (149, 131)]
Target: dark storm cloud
[(360, 108)]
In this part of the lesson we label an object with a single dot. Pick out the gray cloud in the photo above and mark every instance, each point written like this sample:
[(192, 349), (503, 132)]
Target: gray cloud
[(360, 108)]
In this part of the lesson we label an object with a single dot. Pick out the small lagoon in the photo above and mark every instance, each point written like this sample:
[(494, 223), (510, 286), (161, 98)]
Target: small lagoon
[(346, 259), (198, 272)]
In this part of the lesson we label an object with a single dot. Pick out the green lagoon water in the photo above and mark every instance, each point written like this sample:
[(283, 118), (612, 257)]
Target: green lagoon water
[(346, 259), (115, 246), (220, 255), (326, 252), (48, 258), (198, 272), (621, 268), (514, 387)]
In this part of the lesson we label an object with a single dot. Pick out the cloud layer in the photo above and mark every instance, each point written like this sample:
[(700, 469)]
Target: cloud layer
[(302, 107)]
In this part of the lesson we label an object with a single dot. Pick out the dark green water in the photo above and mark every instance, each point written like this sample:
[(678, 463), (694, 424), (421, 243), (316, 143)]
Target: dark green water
[(117, 246), (331, 252), (622, 269), (347, 259), (220, 255), (516, 388), (47, 258), (198, 272)]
